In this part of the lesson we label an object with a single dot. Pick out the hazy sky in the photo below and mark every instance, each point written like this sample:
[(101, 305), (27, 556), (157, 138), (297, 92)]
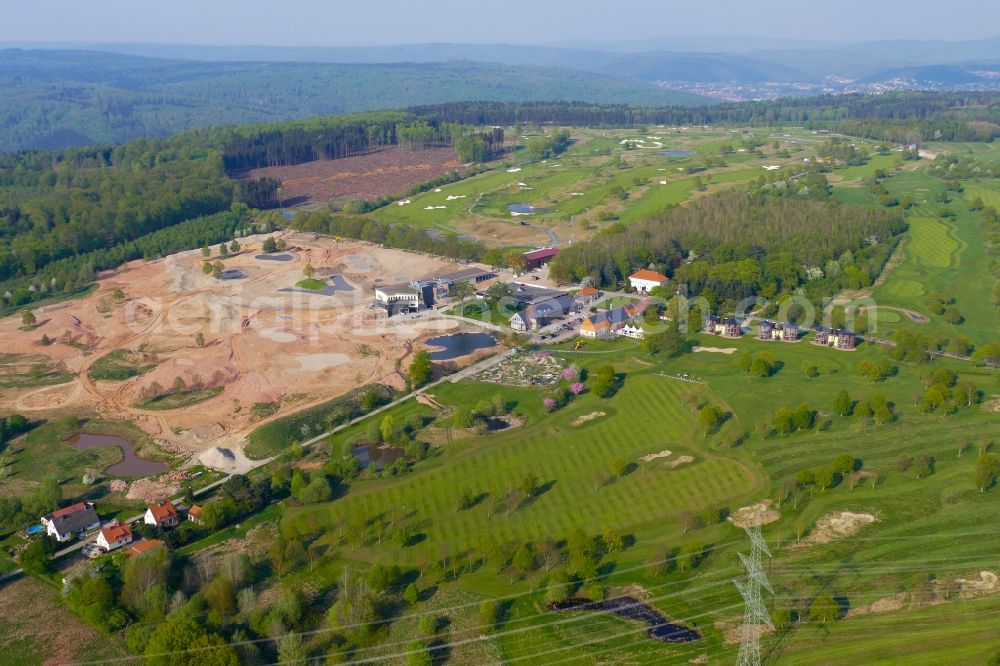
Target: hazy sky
[(359, 22)]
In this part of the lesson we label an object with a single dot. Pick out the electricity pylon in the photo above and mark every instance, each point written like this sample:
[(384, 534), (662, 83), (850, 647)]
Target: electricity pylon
[(754, 612)]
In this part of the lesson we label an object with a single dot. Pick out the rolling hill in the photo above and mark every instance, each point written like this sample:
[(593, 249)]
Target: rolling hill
[(56, 99)]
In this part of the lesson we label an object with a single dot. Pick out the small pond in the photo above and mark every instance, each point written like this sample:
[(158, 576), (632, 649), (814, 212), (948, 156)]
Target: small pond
[(130, 465), (677, 153), (274, 257), (629, 608), (526, 209), (447, 347), (377, 456)]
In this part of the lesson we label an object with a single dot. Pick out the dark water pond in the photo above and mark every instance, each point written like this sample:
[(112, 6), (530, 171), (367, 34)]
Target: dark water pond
[(629, 608), (677, 153), (274, 257), (377, 456), (459, 344), (526, 209), (131, 464)]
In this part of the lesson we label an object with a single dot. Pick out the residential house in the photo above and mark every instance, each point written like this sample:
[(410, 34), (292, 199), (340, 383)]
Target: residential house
[(766, 330), (63, 524), (161, 515), (843, 339), (838, 338), (727, 328), (114, 536), (538, 258), (614, 322), (789, 332), (587, 295), (195, 513), (143, 546), (646, 280)]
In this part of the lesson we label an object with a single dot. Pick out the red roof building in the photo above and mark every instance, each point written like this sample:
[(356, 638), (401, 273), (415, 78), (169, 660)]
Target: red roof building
[(538, 258)]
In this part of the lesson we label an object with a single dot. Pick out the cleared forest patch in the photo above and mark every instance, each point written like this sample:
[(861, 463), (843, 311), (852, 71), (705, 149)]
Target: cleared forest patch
[(380, 173)]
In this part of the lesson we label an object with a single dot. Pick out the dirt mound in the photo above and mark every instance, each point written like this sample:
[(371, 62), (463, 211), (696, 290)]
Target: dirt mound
[(665, 453), (156, 490), (838, 525), (888, 604), (757, 514), (987, 583), (218, 458), (580, 420)]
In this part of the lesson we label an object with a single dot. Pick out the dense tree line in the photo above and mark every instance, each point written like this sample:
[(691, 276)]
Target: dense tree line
[(59, 205), (260, 193), (67, 276), (395, 235), (735, 245), (944, 115)]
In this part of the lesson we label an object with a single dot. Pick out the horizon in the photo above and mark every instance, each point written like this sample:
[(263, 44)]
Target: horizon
[(120, 22)]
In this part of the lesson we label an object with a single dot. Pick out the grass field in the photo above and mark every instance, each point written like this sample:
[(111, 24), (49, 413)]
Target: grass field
[(311, 283), (944, 255), (179, 399), (922, 523)]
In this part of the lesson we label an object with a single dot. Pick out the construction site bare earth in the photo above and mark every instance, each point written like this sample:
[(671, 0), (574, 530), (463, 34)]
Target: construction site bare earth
[(250, 337)]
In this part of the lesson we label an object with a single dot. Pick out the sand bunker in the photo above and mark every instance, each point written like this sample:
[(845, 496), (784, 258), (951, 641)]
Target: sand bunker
[(987, 583), (716, 350), (313, 362), (757, 514), (513, 170), (452, 197), (278, 335), (888, 604), (580, 420), (403, 202), (680, 460), (838, 525), (665, 453)]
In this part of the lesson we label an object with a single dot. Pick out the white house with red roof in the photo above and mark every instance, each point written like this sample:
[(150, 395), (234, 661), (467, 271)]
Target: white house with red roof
[(161, 515), (114, 536), (646, 280)]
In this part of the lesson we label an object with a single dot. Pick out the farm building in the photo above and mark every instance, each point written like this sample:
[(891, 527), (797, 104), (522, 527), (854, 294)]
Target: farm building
[(473, 275), (63, 524), (161, 515), (538, 258), (528, 294), (114, 536), (645, 280)]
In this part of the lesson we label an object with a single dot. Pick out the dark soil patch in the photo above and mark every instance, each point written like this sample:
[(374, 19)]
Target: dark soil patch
[(382, 173)]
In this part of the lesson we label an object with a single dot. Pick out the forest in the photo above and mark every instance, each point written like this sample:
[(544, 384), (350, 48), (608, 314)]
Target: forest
[(399, 236), (736, 245)]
